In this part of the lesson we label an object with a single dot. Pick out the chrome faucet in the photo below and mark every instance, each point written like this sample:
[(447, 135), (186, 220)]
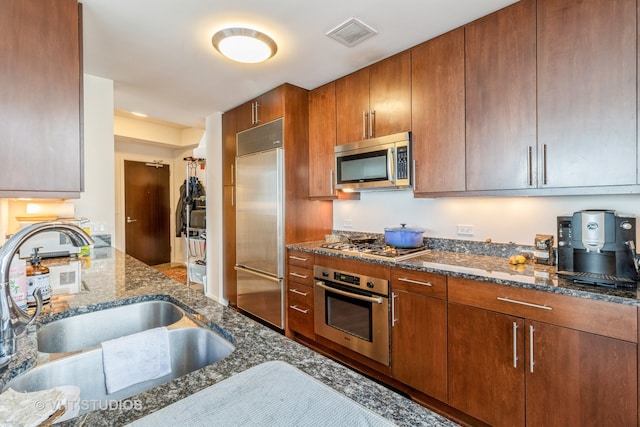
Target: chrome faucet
[(13, 320)]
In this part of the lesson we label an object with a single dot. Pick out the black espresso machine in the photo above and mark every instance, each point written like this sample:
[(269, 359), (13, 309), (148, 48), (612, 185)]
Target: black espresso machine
[(597, 247)]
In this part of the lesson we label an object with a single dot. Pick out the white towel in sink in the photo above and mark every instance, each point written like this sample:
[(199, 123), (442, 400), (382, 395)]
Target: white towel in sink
[(136, 358)]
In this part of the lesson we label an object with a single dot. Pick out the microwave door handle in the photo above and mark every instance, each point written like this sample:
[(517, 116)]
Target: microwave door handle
[(391, 165)]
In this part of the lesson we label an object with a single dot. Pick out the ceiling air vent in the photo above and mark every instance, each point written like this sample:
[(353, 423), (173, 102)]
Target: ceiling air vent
[(352, 32)]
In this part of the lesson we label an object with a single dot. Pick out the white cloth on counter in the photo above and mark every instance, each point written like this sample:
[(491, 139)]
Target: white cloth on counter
[(136, 358), (270, 394), (29, 409)]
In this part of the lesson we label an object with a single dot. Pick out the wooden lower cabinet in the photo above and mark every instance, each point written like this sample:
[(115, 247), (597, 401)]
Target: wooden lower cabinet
[(486, 377), (507, 369), (299, 298), (419, 332)]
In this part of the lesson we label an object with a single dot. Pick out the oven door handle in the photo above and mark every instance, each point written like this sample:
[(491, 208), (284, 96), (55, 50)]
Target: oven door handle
[(377, 300)]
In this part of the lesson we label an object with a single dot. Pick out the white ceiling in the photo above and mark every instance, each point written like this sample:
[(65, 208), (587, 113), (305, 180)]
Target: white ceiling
[(159, 54)]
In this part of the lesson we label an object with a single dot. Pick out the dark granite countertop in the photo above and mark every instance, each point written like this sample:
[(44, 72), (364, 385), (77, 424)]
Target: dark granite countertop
[(495, 268), (111, 278)]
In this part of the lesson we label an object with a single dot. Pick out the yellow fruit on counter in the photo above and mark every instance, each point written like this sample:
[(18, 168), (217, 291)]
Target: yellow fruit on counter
[(517, 259)]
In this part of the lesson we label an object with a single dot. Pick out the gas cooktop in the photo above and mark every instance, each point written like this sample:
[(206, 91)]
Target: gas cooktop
[(376, 250)]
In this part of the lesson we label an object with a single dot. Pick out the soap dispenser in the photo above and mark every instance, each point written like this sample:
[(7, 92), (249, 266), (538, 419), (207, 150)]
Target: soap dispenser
[(37, 278)]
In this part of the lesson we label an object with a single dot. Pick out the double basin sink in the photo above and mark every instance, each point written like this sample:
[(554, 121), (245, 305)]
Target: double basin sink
[(73, 345)]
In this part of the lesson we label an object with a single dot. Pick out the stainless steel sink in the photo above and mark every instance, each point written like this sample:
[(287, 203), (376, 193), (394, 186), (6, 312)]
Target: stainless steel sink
[(192, 348), (89, 330)]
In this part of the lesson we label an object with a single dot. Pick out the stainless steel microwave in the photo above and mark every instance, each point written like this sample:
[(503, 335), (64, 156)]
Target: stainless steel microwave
[(375, 163)]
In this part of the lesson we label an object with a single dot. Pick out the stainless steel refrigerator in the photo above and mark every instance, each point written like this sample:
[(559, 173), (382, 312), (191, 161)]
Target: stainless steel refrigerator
[(260, 222)]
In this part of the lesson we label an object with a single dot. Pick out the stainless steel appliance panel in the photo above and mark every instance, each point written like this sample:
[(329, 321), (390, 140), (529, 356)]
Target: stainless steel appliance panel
[(260, 222)]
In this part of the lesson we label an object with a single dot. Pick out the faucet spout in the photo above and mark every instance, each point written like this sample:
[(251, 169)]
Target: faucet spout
[(13, 320)]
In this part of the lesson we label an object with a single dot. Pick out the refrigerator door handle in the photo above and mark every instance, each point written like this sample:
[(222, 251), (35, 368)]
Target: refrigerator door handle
[(256, 272)]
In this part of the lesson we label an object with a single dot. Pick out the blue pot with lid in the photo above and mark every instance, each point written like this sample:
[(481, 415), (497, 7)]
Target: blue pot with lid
[(404, 237)]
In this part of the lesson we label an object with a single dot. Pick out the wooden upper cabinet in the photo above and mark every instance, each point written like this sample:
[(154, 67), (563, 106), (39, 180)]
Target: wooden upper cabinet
[(322, 140), (587, 92), (229, 146), (390, 95), (263, 109), (41, 103), (374, 101), (438, 113), (500, 61)]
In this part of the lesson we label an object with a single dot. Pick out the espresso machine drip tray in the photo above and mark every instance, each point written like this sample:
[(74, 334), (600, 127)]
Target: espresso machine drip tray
[(594, 279)]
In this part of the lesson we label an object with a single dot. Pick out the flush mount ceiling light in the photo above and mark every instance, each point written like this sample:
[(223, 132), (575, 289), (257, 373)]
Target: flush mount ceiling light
[(244, 45)]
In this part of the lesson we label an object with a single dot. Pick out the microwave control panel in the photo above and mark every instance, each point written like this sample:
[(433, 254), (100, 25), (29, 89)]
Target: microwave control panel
[(403, 163)]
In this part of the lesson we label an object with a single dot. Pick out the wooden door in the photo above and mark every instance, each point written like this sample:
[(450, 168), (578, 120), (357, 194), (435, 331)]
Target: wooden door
[(322, 140), (419, 343), (438, 113), (270, 105), (147, 212), (352, 104), (500, 65), (587, 93), (390, 95), (486, 365), (579, 379)]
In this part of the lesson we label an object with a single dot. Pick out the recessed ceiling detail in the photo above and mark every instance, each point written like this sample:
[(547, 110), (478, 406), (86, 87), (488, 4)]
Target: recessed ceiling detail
[(351, 32)]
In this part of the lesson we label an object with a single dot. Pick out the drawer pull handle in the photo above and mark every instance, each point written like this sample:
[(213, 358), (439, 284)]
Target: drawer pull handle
[(298, 275), (404, 279), (296, 308), (297, 258), (295, 291), (528, 304)]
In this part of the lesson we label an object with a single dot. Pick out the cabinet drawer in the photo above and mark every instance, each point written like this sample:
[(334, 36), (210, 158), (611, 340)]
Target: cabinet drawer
[(432, 285), (300, 309), (598, 317), (300, 259), (300, 295), (300, 275)]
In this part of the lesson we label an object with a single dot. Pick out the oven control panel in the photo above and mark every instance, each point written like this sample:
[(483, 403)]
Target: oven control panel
[(360, 281)]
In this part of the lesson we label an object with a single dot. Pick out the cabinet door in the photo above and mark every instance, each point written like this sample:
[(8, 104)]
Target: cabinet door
[(322, 140), (419, 343), (587, 92), (501, 99), (40, 107), (579, 379), (486, 358), (352, 107), (245, 116), (438, 123), (229, 239), (229, 146), (270, 106), (390, 95)]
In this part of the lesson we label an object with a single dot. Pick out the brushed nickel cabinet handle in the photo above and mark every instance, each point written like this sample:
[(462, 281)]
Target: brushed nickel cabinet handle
[(393, 309), (515, 345), (364, 125), (298, 275), (331, 181), (233, 174), (296, 308), (530, 164), (405, 279), (372, 114), (544, 164), (295, 291), (531, 362), (528, 304), (297, 258)]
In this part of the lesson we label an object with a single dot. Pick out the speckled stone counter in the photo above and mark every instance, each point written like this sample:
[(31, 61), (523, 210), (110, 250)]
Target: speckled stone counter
[(111, 278), (494, 269)]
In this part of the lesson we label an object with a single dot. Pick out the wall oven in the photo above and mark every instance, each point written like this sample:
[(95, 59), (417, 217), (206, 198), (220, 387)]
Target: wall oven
[(352, 310)]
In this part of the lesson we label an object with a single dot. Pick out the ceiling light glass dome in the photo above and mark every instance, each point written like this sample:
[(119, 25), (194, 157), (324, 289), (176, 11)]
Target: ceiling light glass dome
[(244, 45)]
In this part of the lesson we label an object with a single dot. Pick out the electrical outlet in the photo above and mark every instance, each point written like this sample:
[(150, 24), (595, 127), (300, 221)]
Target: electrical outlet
[(465, 230), (347, 223)]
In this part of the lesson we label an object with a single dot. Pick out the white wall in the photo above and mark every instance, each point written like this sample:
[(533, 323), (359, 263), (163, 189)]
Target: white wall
[(508, 219), (97, 200)]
